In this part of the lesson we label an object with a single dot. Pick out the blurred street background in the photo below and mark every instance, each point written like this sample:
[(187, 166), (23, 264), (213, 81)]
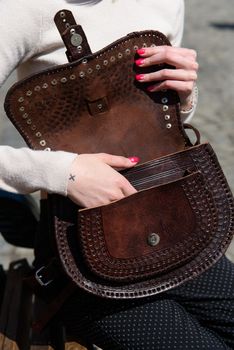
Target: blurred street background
[(209, 29)]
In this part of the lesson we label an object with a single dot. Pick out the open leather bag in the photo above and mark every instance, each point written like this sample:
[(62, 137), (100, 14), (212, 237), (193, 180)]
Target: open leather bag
[(180, 221)]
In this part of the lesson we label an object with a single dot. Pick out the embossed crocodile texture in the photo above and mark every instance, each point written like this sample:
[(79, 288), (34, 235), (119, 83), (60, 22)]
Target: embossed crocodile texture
[(82, 106), (208, 219)]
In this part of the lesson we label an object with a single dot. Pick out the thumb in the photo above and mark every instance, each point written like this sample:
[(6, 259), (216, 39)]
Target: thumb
[(119, 161)]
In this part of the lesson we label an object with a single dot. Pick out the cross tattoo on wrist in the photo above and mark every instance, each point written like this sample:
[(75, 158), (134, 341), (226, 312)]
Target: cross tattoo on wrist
[(72, 177)]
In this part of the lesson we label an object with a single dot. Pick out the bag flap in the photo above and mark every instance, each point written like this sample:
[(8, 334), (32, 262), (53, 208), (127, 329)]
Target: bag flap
[(96, 105)]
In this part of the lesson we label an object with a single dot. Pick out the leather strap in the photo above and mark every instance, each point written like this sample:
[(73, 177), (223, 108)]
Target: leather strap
[(53, 307), (73, 35), (196, 132), (40, 281)]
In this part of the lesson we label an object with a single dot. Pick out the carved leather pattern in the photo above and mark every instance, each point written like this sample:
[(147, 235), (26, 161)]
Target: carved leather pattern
[(82, 107), (161, 260), (217, 200)]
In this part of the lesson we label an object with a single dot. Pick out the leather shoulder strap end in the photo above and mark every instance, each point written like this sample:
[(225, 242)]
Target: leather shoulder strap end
[(73, 35)]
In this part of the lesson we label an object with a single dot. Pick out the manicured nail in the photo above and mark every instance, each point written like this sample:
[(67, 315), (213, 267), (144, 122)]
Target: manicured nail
[(141, 51), (140, 61), (140, 77), (134, 159), (150, 88)]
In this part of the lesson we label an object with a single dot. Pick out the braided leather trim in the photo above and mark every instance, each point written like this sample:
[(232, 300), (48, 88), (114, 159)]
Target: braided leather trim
[(205, 160), (99, 260)]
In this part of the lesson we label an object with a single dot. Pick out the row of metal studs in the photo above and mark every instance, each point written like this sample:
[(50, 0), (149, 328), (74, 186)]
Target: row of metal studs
[(43, 142), (29, 122), (64, 80), (73, 77), (167, 117)]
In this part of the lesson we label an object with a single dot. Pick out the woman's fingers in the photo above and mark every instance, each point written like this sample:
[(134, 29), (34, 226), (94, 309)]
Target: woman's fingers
[(118, 162), (168, 74), (185, 88), (174, 59), (127, 188), (181, 77), (93, 181), (167, 50), (180, 58)]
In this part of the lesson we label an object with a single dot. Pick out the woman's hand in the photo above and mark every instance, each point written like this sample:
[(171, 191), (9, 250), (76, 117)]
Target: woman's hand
[(93, 181), (181, 79)]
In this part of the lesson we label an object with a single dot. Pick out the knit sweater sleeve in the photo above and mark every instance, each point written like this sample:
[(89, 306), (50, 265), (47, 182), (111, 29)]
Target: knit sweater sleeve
[(25, 171), (18, 39)]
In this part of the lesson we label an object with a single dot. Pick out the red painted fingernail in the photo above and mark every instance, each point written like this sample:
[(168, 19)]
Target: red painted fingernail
[(134, 159), (140, 61), (141, 51), (140, 77), (150, 88)]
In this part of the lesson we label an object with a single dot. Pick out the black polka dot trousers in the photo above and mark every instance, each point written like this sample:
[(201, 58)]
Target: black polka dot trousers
[(197, 315)]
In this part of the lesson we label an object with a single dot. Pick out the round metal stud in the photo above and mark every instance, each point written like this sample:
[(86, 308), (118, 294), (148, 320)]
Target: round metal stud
[(100, 106), (42, 143), (33, 127), (76, 39), (164, 100), (79, 48), (89, 70), (45, 86), (25, 116), (167, 117), (63, 80), (72, 77), (29, 93), (153, 45), (82, 74), (168, 126), (144, 45), (54, 82), (38, 134), (105, 62), (29, 121), (120, 55), (62, 14), (127, 51), (112, 59), (64, 20), (21, 99), (165, 108), (153, 239), (136, 47), (72, 31), (48, 149), (67, 25), (84, 61), (37, 88), (98, 66), (21, 109)]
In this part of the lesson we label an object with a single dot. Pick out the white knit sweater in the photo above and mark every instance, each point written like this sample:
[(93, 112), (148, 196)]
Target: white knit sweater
[(29, 41)]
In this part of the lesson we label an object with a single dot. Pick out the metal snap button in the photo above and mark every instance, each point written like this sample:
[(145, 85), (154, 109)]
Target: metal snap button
[(76, 39)]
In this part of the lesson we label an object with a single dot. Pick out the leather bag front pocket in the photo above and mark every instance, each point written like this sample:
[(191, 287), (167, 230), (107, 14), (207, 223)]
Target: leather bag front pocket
[(148, 233)]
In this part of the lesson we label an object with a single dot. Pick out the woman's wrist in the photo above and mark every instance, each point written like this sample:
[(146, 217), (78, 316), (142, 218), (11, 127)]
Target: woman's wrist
[(190, 102)]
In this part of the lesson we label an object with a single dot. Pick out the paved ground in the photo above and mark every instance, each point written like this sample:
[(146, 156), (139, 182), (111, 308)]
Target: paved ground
[(209, 29)]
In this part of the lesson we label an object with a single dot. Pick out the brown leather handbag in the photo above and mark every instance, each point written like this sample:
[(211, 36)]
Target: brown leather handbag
[(180, 221)]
